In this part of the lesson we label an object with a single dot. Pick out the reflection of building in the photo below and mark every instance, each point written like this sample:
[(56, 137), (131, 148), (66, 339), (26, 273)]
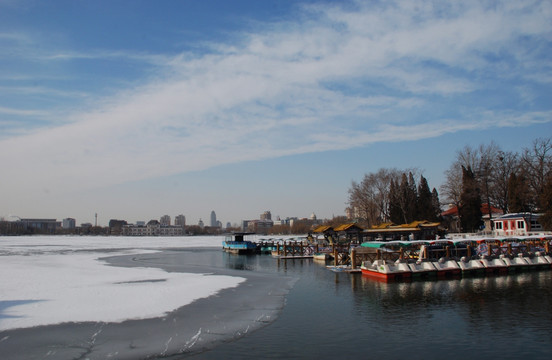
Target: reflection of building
[(516, 224)]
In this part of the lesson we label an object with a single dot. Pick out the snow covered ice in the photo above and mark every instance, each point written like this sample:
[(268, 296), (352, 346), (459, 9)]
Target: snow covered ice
[(51, 280)]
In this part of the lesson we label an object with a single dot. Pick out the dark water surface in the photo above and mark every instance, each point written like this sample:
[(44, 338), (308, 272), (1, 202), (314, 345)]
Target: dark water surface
[(344, 316)]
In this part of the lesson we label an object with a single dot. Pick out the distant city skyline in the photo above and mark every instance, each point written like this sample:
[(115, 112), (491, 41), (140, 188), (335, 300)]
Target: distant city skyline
[(69, 222), (182, 107)]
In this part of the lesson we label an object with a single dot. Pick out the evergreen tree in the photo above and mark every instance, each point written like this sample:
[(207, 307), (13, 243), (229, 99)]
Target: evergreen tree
[(395, 212), (470, 202), (435, 205), (424, 204), (412, 199), (546, 218), (518, 194)]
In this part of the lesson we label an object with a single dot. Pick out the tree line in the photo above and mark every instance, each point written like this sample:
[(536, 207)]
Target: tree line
[(392, 195), (510, 181)]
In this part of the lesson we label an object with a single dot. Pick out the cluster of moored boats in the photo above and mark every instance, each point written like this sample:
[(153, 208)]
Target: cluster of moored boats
[(407, 259)]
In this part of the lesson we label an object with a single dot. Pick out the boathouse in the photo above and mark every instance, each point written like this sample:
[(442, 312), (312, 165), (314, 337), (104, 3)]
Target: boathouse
[(327, 232), (349, 233)]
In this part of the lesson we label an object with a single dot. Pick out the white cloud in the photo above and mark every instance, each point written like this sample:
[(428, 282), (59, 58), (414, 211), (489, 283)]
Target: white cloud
[(287, 90)]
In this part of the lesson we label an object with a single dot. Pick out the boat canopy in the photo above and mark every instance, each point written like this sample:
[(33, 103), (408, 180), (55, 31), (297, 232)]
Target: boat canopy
[(394, 243)]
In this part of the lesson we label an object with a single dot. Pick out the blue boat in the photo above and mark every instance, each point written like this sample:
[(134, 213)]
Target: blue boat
[(236, 244)]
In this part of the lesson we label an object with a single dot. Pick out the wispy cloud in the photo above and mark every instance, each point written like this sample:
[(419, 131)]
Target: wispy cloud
[(336, 80)]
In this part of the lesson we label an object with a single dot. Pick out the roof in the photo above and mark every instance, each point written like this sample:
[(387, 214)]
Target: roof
[(518, 216), (322, 229), (346, 227), (382, 226), (412, 227), (453, 211)]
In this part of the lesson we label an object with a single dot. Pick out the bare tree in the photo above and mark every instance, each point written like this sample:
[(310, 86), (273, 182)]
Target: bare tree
[(537, 163), (452, 187), (506, 166), (369, 199)]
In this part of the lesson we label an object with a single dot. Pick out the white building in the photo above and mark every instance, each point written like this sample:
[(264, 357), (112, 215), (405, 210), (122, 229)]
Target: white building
[(517, 224)]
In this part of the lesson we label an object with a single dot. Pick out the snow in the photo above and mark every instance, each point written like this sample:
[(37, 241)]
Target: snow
[(53, 279)]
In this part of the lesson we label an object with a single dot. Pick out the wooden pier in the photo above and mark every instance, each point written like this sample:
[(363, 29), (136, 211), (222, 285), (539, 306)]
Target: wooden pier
[(420, 258)]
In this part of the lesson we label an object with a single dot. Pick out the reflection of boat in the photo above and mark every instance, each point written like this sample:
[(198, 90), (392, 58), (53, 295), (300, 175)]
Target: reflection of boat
[(236, 244)]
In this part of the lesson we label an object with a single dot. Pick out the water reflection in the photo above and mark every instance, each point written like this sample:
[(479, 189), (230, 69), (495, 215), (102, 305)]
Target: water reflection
[(338, 315), (498, 304)]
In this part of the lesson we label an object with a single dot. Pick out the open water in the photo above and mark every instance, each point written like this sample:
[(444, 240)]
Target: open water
[(349, 316)]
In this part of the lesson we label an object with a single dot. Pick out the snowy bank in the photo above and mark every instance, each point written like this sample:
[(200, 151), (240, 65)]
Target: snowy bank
[(48, 280)]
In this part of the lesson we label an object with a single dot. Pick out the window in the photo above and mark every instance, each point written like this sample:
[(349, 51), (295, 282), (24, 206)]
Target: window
[(498, 225), (521, 224)]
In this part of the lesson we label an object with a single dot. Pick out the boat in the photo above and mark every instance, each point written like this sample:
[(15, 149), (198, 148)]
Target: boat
[(321, 256), (443, 261), (384, 266), (385, 269), (447, 267), (471, 266), (468, 262), (236, 244)]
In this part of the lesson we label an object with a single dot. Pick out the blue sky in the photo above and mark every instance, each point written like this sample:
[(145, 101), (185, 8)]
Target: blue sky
[(136, 109)]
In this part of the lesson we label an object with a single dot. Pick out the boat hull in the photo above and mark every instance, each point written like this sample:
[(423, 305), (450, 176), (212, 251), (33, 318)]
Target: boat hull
[(239, 247), (385, 271)]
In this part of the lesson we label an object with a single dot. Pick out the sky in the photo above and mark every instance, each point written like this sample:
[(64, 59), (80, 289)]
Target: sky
[(137, 109)]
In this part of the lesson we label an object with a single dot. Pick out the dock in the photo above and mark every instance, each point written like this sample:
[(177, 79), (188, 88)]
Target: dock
[(419, 259)]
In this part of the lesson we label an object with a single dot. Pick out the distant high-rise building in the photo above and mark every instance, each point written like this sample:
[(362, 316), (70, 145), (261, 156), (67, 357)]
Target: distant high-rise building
[(180, 220), (266, 215), (165, 220), (200, 224), (213, 219), (68, 223)]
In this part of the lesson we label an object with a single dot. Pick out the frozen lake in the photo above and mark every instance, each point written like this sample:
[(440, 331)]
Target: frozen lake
[(64, 297)]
